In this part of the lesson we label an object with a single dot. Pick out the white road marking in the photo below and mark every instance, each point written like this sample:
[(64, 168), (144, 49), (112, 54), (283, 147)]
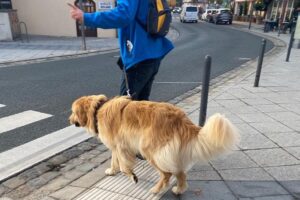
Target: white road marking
[(178, 82), (244, 58), (21, 119), (22, 157), (1, 105)]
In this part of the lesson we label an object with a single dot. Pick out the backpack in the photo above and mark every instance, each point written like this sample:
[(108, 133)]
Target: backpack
[(159, 18)]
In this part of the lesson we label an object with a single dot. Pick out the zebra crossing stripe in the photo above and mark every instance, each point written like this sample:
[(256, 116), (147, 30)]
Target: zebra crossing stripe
[(21, 119), (22, 157), (1, 105)]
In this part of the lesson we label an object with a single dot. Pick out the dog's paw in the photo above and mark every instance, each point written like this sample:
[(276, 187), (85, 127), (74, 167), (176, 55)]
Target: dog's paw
[(178, 191), (110, 172), (154, 190)]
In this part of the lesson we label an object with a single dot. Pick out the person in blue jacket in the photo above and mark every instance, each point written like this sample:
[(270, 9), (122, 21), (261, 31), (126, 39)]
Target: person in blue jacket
[(141, 53)]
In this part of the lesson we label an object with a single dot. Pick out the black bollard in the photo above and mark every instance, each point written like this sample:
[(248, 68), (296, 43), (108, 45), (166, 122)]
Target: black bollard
[(204, 91), (290, 46), (260, 62)]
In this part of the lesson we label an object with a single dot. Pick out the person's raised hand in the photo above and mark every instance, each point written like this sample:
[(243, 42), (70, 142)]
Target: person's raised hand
[(76, 13)]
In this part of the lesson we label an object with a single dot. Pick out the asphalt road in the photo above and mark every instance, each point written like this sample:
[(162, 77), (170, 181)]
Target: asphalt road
[(51, 87)]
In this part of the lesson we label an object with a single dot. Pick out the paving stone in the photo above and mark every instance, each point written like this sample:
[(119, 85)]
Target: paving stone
[(249, 174), (43, 167), (253, 189), (86, 156), (86, 167), (231, 103), (255, 140), (204, 190), (85, 146), (57, 184), (294, 125), (237, 159), (276, 127), (102, 148), (102, 157), (203, 176), (57, 160), (201, 167), (295, 151), (270, 108), (3, 189), (29, 174), (92, 177), (272, 157), (255, 117), (38, 182), (285, 173), (14, 182), (285, 139), (284, 116), (20, 192), (71, 164), (72, 153), (71, 192), (73, 174), (257, 101), (279, 197)]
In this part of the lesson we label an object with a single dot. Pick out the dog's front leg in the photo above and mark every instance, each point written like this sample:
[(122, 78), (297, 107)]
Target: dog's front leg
[(114, 167)]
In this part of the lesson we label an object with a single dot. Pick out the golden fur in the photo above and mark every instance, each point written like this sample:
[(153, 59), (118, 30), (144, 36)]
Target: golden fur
[(161, 132)]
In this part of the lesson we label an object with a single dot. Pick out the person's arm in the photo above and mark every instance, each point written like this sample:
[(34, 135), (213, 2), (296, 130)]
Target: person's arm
[(118, 17)]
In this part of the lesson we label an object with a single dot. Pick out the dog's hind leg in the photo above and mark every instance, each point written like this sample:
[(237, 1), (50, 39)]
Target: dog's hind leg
[(126, 162), (163, 181), (181, 183), (114, 167)]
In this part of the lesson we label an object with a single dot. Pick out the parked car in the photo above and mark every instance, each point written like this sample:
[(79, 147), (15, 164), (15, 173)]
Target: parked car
[(177, 10), (209, 16), (222, 15), (189, 14), (206, 13)]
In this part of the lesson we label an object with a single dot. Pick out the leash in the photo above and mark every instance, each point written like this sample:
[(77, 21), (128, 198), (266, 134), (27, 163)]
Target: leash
[(125, 77)]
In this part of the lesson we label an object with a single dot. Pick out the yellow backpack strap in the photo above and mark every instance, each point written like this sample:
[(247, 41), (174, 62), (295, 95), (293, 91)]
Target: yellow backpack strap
[(161, 18)]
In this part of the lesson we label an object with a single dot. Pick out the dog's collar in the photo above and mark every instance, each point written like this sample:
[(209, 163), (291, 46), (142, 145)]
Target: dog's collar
[(98, 106)]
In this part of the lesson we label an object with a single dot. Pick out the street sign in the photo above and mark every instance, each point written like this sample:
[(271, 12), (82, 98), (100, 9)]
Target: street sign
[(297, 31), (105, 5)]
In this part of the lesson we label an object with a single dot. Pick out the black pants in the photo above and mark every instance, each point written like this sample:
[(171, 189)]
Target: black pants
[(140, 78)]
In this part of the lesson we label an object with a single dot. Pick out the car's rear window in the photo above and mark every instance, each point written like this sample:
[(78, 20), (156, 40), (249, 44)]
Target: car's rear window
[(191, 9)]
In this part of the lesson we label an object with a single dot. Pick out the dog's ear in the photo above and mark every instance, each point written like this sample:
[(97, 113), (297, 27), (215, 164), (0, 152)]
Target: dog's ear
[(80, 109)]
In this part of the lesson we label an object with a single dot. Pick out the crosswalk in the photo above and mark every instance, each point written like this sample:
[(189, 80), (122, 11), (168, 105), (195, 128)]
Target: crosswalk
[(26, 155), (21, 119)]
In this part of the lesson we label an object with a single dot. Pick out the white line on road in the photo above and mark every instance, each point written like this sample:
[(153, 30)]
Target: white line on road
[(21, 119), (244, 58), (178, 82), (1, 105), (22, 157)]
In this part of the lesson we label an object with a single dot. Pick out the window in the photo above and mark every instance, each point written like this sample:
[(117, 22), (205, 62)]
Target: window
[(5, 4), (191, 9)]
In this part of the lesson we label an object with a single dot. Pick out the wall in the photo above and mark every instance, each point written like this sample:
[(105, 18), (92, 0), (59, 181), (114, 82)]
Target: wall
[(46, 17)]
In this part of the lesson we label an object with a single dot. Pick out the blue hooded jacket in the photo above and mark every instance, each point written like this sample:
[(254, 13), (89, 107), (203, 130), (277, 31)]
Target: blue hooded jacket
[(136, 44)]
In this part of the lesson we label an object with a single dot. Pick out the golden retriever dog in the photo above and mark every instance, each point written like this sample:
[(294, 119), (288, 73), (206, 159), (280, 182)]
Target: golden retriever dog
[(160, 132)]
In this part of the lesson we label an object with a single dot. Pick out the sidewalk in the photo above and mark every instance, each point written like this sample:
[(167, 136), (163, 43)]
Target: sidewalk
[(42, 48), (266, 166)]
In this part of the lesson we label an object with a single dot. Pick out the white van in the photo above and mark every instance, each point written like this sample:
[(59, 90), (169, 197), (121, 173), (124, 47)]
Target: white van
[(189, 13)]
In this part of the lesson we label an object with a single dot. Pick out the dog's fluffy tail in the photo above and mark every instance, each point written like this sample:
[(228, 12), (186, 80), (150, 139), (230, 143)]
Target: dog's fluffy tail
[(217, 136)]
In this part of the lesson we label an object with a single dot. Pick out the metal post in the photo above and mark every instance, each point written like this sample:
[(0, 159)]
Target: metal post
[(204, 91), (83, 43), (260, 62), (251, 16), (290, 45)]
